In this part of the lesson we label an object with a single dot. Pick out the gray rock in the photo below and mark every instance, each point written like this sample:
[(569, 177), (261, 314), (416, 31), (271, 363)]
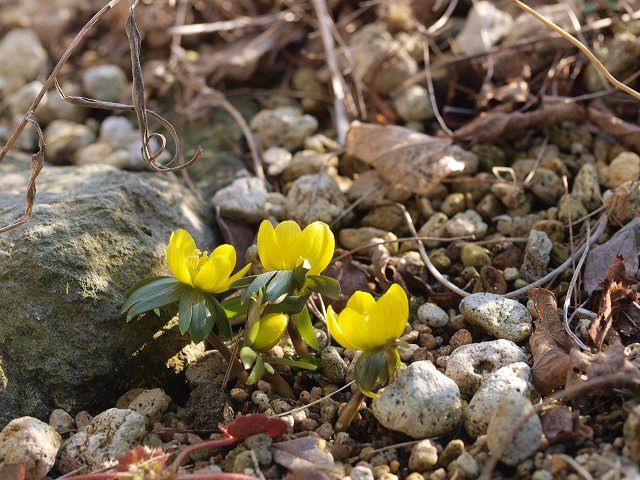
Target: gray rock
[(151, 404), (468, 465), (29, 442), (277, 158), (22, 58), (109, 435), (421, 403), (261, 445), (351, 238), (361, 472), (61, 421), (512, 378), (485, 26), (501, 317), (433, 315), (104, 82), (547, 186), (284, 127), (586, 187), (413, 104), (435, 226), (469, 364), (526, 441), (244, 199), (368, 189), (618, 58), (307, 162), (334, 368), (537, 255), (315, 197), (64, 138), (466, 223), (424, 456), (95, 231), (209, 368)]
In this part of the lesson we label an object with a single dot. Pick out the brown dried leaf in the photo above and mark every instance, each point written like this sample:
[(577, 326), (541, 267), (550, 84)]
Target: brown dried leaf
[(625, 243), (235, 233), (351, 278), (559, 424), (302, 453), (496, 126), (549, 320), (603, 118), (404, 157)]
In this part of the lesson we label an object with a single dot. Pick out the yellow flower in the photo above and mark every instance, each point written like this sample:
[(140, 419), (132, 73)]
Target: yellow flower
[(203, 271), (270, 330), (367, 324), (284, 247)]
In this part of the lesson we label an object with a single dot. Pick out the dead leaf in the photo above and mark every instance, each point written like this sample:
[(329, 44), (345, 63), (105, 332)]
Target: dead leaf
[(351, 277), (603, 118), (499, 126), (625, 243), (549, 344), (235, 233), (302, 453), (559, 424), (248, 425), (405, 157)]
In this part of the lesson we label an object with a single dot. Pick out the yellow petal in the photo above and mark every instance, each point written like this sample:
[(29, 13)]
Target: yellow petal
[(268, 249), (388, 317), (236, 276), (270, 331), (336, 332), (213, 275), (317, 245), (181, 247), (362, 302), (288, 237), (227, 251)]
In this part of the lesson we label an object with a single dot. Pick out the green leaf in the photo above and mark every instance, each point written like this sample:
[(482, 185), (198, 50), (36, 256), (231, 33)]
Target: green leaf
[(305, 327), (300, 273), (291, 304), (252, 325), (201, 319), (234, 306), (219, 316), (184, 310), (257, 284), (269, 369), (279, 286), (368, 369), (292, 363), (326, 286), (247, 356), (154, 294), (256, 372), (142, 283), (242, 282)]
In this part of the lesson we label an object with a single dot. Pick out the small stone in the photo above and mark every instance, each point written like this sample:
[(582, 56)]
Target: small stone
[(127, 397), (570, 209), (440, 260), (64, 138), (432, 315), (152, 440), (277, 159), (209, 368), (261, 446), (152, 404), (315, 197), (453, 203), (104, 82), (511, 273), (631, 434), (421, 403), (320, 143), (547, 186), (284, 127), (239, 394), (435, 226), (424, 456), (469, 364), (307, 162), (22, 58), (489, 206), (207, 408), (625, 167), (460, 338), (98, 445), (413, 103), (325, 431), (474, 256), (512, 196), (465, 224), (361, 472), (468, 465), (484, 27), (552, 228), (29, 442), (260, 398), (526, 441), (586, 187), (537, 255), (334, 368), (244, 199), (542, 475), (451, 452), (368, 189), (511, 378), (387, 218), (83, 419), (61, 421), (352, 238), (501, 317)]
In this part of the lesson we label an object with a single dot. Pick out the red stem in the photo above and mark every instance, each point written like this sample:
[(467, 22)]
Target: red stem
[(99, 476), (183, 456), (215, 476)]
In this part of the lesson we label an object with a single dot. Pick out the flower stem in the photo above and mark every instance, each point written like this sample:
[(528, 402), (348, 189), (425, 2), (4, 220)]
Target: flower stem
[(228, 355), (296, 338), (352, 407), (184, 454), (279, 383)]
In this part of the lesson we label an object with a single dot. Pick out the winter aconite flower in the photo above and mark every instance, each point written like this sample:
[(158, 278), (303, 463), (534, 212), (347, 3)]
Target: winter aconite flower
[(269, 331), (367, 324), (205, 272), (375, 328), (286, 246), (196, 277)]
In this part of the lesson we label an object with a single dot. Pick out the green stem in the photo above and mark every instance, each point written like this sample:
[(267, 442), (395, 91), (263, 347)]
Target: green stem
[(234, 361), (353, 405), (296, 338)]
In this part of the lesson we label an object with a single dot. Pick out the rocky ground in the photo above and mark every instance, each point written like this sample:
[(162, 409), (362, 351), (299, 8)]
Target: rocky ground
[(542, 159)]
